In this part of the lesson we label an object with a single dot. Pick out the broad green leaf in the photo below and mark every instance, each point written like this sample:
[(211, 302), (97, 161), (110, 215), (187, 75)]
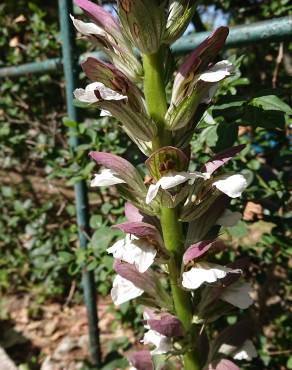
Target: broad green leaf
[(258, 117), (271, 102), (102, 237)]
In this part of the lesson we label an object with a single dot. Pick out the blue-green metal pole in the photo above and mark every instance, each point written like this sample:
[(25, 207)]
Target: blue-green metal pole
[(70, 59), (273, 30)]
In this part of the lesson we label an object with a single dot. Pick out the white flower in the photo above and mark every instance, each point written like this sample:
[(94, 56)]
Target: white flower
[(217, 72), (106, 178), (124, 290), (205, 272), (87, 95), (87, 29), (161, 342), (233, 185), (246, 352), (135, 251), (228, 218), (238, 294), (171, 180)]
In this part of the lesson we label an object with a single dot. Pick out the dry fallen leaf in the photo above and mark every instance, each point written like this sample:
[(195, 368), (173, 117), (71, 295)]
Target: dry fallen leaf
[(14, 42), (252, 211), (243, 130), (21, 18)]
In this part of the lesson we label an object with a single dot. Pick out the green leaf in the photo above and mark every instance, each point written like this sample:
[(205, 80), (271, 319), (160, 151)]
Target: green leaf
[(118, 363), (65, 257), (160, 362), (289, 363), (69, 123), (102, 237), (95, 221), (238, 231), (271, 102), (258, 117), (226, 136)]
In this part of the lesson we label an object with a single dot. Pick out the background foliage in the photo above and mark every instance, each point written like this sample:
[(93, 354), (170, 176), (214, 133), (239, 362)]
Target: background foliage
[(38, 246)]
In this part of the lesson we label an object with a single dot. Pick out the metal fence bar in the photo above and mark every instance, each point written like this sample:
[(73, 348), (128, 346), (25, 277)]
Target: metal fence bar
[(274, 30), (81, 199)]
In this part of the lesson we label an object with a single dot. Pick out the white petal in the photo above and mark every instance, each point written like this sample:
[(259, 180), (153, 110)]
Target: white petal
[(227, 349), (229, 218), (173, 179), (88, 95), (105, 113), (233, 186), (87, 28), (238, 294), (85, 96), (161, 342), (152, 192), (246, 352), (124, 290), (106, 178), (108, 94), (218, 72), (204, 272), (194, 175), (135, 251)]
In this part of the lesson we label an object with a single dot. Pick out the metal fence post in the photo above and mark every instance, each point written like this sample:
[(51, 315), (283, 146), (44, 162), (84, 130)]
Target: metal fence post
[(70, 59)]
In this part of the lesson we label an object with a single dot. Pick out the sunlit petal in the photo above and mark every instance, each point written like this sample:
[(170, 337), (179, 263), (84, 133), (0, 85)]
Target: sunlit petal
[(233, 186), (106, 178), (124, 290), (205, 272)]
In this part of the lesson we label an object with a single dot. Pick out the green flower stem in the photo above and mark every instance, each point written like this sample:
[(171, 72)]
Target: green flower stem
[(155, 96), (173, 240), (154, 91)]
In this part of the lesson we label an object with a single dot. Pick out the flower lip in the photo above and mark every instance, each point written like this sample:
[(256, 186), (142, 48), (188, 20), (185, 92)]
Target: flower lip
[(205, 272), (217, 72), (97, 91), (233, 185), (161, 342), (170, 180), (124, 290), (137, 252), (87, 29), (106, 178)]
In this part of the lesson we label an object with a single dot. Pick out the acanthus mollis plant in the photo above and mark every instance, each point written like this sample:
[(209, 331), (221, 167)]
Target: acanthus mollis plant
[(167, 259)]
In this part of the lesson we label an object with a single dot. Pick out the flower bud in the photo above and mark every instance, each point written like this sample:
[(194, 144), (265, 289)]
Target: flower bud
[(141, 360), (195, 83), (131, 112), (143, 23), (179, 16)]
